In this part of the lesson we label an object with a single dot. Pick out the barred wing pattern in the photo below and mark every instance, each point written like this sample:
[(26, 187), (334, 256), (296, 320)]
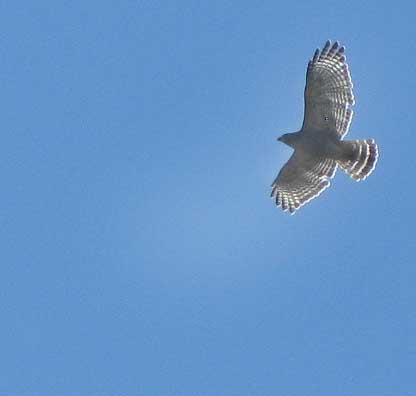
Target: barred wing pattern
[(301, 179), (328, 91)]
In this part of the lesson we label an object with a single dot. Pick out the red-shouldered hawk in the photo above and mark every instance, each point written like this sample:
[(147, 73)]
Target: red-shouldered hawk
[(319, 147)]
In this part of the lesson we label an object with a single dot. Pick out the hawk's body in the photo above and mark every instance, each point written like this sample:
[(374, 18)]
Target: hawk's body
[(319, 147)]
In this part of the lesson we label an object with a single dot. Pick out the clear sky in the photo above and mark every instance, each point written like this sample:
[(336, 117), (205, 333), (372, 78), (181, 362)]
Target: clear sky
[(140, 251)]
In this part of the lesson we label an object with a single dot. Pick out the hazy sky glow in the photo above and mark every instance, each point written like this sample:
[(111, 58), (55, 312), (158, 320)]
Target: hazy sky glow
[(141, 254)]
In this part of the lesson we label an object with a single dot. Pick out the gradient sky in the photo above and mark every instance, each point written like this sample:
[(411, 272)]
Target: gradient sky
[(141, 253)]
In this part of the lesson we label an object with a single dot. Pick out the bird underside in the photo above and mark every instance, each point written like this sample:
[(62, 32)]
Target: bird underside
[(319, 148)]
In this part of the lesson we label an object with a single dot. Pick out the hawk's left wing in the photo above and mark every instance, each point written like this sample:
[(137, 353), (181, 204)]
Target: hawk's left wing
[(301, 179), (328, 91)]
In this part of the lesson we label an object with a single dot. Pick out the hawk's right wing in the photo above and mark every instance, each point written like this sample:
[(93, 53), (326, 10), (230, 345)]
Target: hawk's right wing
[(328, 91), (301, 179)]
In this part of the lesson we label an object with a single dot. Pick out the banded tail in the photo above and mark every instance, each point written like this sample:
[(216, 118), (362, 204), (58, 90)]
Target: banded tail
[(362, 158)]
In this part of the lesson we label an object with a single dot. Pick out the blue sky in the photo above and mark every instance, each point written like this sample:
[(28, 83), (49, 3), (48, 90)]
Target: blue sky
[(141, 254)]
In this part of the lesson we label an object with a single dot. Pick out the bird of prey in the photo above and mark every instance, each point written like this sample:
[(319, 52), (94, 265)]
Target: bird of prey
[(319, 147)]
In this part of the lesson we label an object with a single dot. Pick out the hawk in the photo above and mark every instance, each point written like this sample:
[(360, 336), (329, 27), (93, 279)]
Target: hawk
[(319, 148)]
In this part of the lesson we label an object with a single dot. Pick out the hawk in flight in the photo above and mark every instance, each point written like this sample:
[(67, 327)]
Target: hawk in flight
[(319, 147)]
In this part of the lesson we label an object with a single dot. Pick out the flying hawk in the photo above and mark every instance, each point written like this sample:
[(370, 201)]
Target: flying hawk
[(319, 147)]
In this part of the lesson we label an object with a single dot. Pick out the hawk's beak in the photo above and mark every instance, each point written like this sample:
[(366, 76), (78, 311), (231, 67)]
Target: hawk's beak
[(279, 138)]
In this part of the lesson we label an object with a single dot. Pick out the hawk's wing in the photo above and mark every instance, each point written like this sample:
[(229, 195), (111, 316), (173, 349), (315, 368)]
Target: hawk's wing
[(301, 179), (328, 91)]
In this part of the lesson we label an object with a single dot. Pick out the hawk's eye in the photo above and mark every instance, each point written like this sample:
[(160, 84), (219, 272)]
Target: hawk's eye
[(326, 118)]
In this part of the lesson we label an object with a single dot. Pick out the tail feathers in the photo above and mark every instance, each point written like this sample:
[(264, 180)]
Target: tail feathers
[(362, 160)]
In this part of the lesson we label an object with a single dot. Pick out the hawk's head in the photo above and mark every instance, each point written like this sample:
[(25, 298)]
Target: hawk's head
[(289, 139)]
